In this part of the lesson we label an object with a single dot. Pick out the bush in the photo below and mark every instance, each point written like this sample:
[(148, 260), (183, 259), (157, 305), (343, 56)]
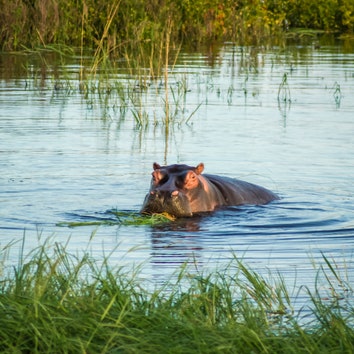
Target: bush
[(118, 24)]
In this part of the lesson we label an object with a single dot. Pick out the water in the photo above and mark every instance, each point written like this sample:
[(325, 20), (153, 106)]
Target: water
[(64, 157)]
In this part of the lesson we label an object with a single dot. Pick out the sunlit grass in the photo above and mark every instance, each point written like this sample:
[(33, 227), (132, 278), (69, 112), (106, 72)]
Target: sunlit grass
[(113, 26), (53, 301), (122, 218)]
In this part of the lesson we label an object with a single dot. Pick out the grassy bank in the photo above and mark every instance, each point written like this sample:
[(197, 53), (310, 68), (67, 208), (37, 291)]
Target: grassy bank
[(56, 302), (115, 26)]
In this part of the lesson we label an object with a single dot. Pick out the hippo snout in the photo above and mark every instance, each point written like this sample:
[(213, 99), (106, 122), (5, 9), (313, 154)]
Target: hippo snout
[(171, 202), (163, 197)]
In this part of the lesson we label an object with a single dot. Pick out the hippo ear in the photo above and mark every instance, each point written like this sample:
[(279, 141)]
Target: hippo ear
[(156, 166), (199, 169)]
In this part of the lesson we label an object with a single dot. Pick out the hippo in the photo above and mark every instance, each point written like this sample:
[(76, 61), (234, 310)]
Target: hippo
[(183, 191)]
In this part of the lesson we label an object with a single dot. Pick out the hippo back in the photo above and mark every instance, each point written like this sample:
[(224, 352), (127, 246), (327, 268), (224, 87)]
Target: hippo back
[(237, 192)]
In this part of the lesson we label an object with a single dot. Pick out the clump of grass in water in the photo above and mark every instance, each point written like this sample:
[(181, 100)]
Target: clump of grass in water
[(56, 302), (284, 90), (123, 218), (337, 94)]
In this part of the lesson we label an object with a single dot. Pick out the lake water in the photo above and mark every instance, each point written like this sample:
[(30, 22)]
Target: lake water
[(67, 157)]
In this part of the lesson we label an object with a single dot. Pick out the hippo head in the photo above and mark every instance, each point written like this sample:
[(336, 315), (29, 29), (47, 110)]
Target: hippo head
[(174, 190)]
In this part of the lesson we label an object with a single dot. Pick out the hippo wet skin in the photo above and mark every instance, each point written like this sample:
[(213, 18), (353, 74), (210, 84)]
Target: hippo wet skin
[(182, 190)]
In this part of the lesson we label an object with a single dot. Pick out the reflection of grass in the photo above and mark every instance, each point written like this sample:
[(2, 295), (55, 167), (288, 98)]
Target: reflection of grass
[(337, 94), (57, 302), (123, 218)]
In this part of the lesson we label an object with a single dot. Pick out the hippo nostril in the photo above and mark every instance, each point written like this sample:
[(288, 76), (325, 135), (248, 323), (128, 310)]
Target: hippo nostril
[(174, 193)]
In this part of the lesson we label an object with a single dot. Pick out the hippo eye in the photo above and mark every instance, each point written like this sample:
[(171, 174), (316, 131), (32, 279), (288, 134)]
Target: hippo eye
[(163, 179), (158, 177), (189, 178)]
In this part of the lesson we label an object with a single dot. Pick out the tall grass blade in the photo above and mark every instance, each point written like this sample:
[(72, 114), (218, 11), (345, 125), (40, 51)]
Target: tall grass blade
[(59, 302)]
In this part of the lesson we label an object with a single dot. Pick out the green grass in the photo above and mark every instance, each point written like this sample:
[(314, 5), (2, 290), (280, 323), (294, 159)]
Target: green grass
[(144, 38), (122, 218), (55, 302), (115, 26)]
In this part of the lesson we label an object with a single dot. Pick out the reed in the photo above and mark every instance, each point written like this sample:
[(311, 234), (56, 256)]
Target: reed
[(53, 301), (144, 38), (284, 90), (337, 94), (115, 26)]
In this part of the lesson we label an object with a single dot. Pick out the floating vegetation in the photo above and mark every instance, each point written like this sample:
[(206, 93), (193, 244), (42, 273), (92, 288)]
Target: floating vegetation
[(117, 217)]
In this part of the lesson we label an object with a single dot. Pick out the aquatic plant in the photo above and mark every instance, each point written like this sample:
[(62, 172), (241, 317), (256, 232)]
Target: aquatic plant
[(284, 90), (53, 301), (337, 94), (118, 217), (112, 27), (144, 38)]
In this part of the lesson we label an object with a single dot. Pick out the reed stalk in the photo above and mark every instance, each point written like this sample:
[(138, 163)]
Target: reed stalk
[(167, 49), (284, 90), (100, 54)]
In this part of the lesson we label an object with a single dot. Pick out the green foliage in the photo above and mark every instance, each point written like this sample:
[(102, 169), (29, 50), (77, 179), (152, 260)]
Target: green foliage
[(326, 15), (123, 218), (53, 301), (122, 24)]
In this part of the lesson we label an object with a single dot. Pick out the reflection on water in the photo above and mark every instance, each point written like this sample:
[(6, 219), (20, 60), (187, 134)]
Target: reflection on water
[(67, 152)]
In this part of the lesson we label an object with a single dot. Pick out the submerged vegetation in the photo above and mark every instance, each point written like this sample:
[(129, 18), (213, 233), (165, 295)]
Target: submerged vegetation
[(113, 27), (53, 301)]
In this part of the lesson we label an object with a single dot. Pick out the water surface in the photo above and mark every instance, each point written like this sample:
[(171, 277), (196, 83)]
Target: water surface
[(65, 156)]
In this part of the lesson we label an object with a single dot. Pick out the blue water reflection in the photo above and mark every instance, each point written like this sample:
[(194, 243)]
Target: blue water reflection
[(64, 157)]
